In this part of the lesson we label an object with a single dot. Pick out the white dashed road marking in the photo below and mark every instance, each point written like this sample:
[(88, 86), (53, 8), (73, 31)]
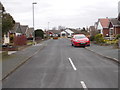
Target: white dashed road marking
[(72, 64), (84, 85)]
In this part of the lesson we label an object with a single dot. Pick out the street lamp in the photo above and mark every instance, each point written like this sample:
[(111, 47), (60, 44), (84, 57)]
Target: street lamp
[(33, 23)]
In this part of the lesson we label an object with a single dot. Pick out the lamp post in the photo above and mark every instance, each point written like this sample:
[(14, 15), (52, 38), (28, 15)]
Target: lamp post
[(33, 23)]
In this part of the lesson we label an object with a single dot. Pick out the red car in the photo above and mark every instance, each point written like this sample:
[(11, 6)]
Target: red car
[(80, 40)]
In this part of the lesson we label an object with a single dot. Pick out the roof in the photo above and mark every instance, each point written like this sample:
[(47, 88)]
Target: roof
[(104, 22), (69, 31), (76, 31), (24, 28), (16, 28), (115, 22), (54, 31)]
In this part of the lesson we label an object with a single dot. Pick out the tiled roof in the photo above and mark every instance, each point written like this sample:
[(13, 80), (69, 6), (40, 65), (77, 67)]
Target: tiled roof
[(104, 22)]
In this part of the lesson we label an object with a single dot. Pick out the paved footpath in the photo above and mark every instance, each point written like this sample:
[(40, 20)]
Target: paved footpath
[(105, 51), (13, 61)]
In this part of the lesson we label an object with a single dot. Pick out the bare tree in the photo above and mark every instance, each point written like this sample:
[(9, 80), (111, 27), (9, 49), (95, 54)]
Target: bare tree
[(54, 28), (61, 27)]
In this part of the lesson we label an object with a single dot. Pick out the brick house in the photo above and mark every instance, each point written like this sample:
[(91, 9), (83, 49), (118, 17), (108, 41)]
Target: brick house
[(114, 26), (103, 26)]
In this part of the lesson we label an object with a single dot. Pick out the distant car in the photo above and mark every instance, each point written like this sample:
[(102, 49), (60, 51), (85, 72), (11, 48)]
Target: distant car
[(55, 36), (80, 40)]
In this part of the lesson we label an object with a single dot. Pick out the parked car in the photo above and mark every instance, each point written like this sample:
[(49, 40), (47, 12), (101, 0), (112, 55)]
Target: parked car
[(69, 36), (80, 40)]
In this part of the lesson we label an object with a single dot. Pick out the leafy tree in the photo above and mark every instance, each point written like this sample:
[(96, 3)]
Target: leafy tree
[(7, 21), (61, 28), (39, 33)]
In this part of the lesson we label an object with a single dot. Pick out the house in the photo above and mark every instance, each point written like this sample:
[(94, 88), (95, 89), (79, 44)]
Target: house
[(114, 26), (92, 31), (75, 31), (69, 32), (17, 36), (29, 32), (16, 29), (9, 37), (24, 29), (63, 33), (103, 26)]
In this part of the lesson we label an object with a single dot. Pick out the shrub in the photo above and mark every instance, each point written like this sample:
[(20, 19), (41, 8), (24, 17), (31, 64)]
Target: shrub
[(118, 36), (92, 38), (99, 38)]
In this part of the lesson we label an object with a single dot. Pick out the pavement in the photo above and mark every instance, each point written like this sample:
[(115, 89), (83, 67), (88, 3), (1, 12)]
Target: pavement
[(15, 59), (105, 51), (59, 65)]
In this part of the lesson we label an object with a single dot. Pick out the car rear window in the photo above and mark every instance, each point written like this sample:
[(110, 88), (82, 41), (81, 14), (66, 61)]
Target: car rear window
[(79, 36)]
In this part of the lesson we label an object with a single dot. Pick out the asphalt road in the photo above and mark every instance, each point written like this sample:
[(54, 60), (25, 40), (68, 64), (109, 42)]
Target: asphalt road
[(59, 65)]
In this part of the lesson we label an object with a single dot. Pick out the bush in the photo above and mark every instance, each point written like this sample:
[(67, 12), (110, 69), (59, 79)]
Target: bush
[(118, 36), (92, 38), (99, 38)]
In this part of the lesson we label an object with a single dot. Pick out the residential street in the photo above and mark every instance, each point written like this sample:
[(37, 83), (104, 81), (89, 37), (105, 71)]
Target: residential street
[(59, 65)]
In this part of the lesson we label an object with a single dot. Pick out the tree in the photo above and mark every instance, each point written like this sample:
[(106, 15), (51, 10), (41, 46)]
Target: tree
[(39, 33), (1, 7), (7, 21), (54, 28), (61, 27)]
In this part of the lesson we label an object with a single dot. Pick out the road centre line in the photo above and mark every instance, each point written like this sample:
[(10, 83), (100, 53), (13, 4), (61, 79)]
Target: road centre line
[(84, 85), (72, 64)]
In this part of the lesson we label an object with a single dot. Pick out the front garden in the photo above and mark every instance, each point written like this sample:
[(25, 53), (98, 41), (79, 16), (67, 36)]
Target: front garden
[(100, 40)]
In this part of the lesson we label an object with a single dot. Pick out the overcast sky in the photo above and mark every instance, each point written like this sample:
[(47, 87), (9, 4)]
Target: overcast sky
[(68, 13)]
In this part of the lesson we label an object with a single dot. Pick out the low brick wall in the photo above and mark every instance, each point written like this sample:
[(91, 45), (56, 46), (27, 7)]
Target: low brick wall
[(10, 49)]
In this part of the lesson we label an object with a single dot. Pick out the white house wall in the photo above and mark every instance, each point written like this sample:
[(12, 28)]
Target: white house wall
[(69, 31), (63, 32), (100, 28), (6, 39)]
